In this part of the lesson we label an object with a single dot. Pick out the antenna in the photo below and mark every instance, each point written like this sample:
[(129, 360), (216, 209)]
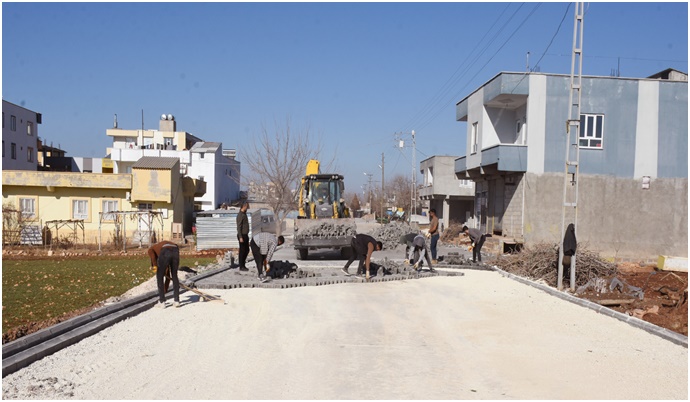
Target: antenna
[(142, 120), (115, 122)]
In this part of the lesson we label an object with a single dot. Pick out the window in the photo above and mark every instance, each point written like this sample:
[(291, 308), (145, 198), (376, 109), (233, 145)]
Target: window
[(592, 131), (80, 209), (29, 154), (13, 123), (13, 150), (28, 207), (473, 138), (3, 148), (145, 206), (29, 128), (109, 206)]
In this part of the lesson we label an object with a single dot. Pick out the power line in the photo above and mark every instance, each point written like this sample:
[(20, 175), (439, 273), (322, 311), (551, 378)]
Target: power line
[(448, 84), (430, 119)]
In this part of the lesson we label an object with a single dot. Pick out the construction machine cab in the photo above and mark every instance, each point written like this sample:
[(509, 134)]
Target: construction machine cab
[(323, 194)]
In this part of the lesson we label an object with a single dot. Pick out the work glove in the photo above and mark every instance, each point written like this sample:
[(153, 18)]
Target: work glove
[(470, 248), (154, 268), (416, 266)]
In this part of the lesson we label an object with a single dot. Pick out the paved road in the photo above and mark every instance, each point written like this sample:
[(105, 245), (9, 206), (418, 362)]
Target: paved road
[(477, 336)]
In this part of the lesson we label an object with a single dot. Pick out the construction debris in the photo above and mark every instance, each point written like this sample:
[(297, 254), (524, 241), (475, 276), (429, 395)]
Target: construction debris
[(389, 234), (541, 262), (281, 269)]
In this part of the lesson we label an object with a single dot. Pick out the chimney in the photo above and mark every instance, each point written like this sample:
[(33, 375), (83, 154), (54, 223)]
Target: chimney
[(167, 123)]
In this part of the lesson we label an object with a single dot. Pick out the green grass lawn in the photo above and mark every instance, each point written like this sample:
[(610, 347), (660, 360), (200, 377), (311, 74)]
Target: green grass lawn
[(37, 290)]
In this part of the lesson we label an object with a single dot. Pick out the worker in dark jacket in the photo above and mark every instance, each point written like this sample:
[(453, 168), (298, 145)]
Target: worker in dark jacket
[(420, 250), (569, 248), (477, 241), (165, 258), (362, 246), (243, 235)]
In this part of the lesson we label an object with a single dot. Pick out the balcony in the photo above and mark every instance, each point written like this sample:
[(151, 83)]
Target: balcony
[(495, 159), (193, 187)]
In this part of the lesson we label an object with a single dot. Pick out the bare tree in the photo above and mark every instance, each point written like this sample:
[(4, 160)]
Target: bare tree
[(400, 188), (277, 161)]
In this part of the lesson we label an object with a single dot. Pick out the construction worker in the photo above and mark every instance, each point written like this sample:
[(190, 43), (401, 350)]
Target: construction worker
[(263, 245), (165, 260), (407, 241), (433, 233), (420, 250), (362, 246), (477, 241), (243, 235)]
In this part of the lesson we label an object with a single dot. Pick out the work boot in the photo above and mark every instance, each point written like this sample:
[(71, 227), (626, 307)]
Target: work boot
[(161, 305), (244, 269), (176, 304), (346, 272), (434, 261)]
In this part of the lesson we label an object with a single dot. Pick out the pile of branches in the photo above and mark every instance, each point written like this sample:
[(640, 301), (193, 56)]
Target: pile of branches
[(389, 234), (452, 233), (540, 262)]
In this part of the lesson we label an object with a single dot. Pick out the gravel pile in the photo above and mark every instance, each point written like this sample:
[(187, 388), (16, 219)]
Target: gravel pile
[(327, 229), (389, 234)]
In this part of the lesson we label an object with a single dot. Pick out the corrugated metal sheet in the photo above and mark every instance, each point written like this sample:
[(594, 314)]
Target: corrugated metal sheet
[(155, 162), (218, 229)]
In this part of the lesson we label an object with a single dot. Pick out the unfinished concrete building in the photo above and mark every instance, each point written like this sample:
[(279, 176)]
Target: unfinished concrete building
[(633, 166), (453, 198)]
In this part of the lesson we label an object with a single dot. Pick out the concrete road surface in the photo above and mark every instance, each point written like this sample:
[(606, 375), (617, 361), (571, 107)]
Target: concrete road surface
[(477, 336)]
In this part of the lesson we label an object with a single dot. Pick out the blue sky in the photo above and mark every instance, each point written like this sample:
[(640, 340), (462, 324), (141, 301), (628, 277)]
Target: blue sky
[(357, 73)]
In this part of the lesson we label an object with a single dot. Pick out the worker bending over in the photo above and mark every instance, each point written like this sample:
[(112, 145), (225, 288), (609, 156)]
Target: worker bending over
[(263, 245), (477, 241), (166, 255), (420, 250), (362, 246)]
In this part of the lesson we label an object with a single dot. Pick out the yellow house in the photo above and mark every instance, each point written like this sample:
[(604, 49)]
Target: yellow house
[(154, 201)]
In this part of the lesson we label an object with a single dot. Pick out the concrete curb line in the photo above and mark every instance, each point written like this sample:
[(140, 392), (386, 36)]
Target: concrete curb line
[(674, 337)]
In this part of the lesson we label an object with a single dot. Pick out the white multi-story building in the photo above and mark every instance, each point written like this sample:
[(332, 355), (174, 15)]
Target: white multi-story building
[(19, 137), (206, 161)]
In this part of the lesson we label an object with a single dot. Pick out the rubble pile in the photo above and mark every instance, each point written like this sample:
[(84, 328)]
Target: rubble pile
[(389, 234), (390, 267), (326, 229), (541, 262)]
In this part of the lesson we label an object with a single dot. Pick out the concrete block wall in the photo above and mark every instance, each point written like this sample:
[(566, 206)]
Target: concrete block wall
[(512, 217), (616, 217)]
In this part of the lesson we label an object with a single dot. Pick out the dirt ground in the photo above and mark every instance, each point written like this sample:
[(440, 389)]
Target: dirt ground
[(664, 303), (665, 296)]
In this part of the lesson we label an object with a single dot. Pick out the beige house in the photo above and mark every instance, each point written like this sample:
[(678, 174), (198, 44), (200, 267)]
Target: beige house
[(153, 202)]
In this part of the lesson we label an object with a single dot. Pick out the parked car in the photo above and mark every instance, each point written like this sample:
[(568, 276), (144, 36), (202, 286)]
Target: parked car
[(268, 221)]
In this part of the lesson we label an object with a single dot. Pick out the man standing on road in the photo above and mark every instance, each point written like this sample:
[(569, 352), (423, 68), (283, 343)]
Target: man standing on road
[(420, 250), (263, 245), (362, 246), (477, 238), (243, 235), (433, 232), (164, 255)]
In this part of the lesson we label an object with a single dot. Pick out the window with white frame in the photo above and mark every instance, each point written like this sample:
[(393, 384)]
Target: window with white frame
[(28, 207), (80, 209), (109, 206), (29, 154), (29, 128), (473, 138), (592, 131), (465, 183), (429, 176)]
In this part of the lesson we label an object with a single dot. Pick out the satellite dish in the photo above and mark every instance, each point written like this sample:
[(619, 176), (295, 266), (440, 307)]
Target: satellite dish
[(163, 117), (170, 117)]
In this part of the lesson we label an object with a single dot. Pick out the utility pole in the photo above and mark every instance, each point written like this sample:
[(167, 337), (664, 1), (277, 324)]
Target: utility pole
[(572, 150), (413, 189), (370, 176), (383, 189)]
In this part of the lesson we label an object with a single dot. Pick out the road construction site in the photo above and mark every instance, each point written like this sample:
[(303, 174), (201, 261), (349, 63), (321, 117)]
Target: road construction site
[(466, 332)]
